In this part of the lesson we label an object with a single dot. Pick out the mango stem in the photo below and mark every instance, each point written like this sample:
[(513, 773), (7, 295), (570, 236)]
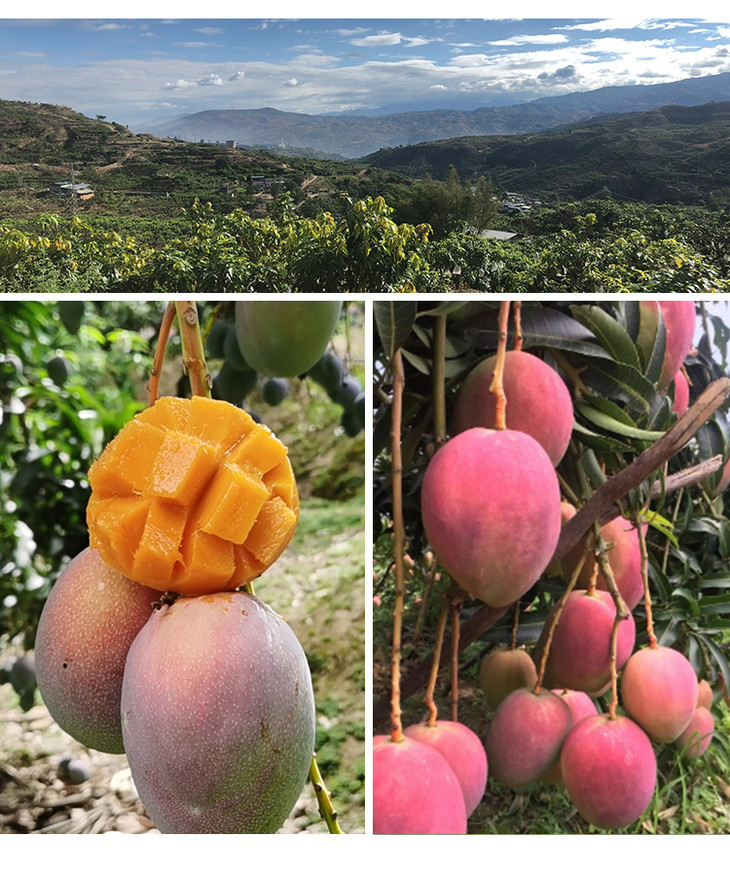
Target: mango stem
[(324, 800)]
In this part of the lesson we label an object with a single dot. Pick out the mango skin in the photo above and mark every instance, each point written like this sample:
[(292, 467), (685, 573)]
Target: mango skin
[(526, 735), (218, 716), (695, 739), (609, 770), (624, 558), (504, 670), (580, 652), (285, 338), (464, 753), (538, 403), (415, 791), (659, 691), (490, 506), (88, 623)]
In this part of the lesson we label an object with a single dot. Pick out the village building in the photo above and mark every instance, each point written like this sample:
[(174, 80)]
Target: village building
[(71, 189)]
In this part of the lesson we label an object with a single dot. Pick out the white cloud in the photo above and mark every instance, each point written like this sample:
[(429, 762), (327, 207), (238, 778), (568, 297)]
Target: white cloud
[(210, 79), (438, 88), (628, 23), (532, 39), (100, 26), (291, 83), (353, 31), (237, 76), (378, 40), (415, 41), (179, 85)]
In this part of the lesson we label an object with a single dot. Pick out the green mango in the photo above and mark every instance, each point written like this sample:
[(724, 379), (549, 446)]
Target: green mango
[(71, 313), (274, 391), (216, 337), (285, 338), (328, 372), (59, 369), (233, 385)]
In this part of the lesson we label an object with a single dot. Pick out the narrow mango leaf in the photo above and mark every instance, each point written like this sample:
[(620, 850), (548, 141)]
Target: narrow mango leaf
[(609, 408), (719, 656), (609, 333), (663, 525), (717, 622), (450, 307), (423, 365), (600, 442), (623, 383), (716, 580), (660, 414), (651, 339), (394, 320), (716, 604), (613, 425), (655, 360)]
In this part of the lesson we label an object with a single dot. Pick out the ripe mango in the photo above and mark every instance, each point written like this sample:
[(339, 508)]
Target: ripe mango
[(415, 791), (218, 716), (490, 504), (88, 623), (609, 769), (538, 401)]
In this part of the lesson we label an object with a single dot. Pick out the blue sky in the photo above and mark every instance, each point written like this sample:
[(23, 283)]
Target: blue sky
[(139, 71)]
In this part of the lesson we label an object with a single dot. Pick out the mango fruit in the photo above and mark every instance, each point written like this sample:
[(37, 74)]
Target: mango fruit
[(88, 623), (285, 338), (218, 716), (490, 505)]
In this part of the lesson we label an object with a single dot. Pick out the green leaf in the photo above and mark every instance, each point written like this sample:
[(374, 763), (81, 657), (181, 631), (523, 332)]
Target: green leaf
[(423, 365), (719, 656), (600, 442), (394, 320), (716, 604), (540, 327), (621, 382), (611, 335), (608, 422)]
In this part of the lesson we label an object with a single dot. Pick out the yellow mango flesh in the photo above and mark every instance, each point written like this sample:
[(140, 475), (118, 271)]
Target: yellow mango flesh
[(192, 496)]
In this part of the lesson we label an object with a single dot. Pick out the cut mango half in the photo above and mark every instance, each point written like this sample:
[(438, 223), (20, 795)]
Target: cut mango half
[(192, 496)]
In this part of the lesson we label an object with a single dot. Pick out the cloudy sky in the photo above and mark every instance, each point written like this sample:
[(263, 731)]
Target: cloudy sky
[(141, 71)]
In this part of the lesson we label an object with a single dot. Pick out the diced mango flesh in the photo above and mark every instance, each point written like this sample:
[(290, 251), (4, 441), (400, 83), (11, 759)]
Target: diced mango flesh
[(192, 496)]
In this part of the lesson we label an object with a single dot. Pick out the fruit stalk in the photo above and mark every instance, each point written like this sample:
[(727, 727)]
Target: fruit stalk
[(647, 595), (192, 347), (439, 381), (622, 613), (455, 610), (153, 386), (517, 316), (324, 800), (556, 618), (497, 386), (396, 726), (428, 696)]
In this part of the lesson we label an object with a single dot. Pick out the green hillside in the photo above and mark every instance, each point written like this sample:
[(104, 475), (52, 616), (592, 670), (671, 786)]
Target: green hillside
[(139, 175), (676, 154)]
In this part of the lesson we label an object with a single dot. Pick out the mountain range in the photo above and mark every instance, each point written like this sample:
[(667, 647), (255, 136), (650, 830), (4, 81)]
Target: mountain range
[(673, 154), (353, 136)]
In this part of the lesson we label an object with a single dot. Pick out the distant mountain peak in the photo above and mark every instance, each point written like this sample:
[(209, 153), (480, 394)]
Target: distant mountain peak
[(353, 136)]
